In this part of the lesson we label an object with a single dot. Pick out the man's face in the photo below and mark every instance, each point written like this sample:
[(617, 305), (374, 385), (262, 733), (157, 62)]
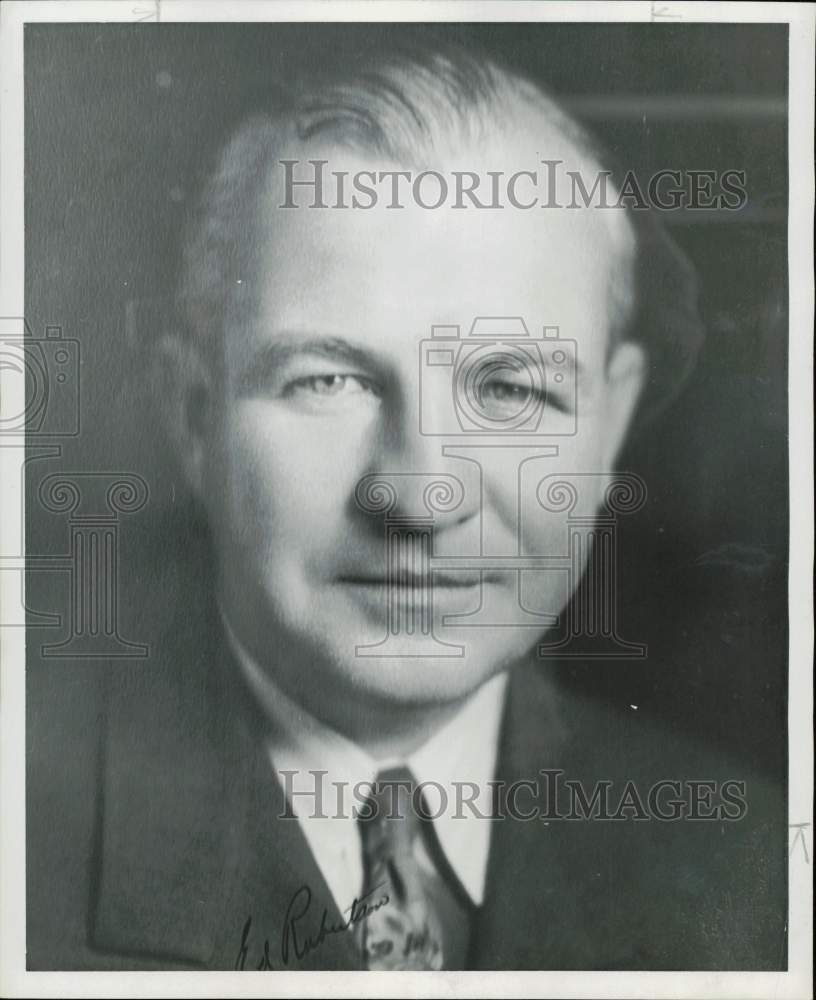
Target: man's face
[(324, 386)]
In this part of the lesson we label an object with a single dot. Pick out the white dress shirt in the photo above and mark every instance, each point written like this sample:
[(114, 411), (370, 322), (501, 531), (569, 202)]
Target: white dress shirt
[(462, 750)]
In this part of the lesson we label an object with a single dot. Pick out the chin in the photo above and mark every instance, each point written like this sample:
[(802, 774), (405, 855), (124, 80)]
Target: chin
[(421, 670)]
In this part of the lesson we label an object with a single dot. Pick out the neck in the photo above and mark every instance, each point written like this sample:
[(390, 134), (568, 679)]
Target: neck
[(384, 730), (377, 724)]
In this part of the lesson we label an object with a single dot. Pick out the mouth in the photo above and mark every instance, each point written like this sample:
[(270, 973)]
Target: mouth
[(410, 581)]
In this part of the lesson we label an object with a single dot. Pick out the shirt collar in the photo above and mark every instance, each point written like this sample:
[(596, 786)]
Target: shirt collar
[(319, 768)]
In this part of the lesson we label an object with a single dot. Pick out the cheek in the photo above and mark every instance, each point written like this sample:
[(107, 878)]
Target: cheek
[(554, 489), (287, 481)]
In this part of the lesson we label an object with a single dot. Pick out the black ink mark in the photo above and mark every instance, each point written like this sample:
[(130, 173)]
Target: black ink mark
[(295, 942), (799, 837), (264, 963)]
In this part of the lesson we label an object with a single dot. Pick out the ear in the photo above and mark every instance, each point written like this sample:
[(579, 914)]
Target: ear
[(185, 389), (625, 376)]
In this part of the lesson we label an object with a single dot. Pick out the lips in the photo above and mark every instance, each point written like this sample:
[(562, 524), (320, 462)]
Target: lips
[(410, 580)]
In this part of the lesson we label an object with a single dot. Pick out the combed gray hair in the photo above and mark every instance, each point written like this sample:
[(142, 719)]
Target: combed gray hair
[(406, 105), (406, 108)]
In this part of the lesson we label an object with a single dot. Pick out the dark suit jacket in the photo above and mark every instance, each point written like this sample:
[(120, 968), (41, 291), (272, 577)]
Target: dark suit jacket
[(153, 831)]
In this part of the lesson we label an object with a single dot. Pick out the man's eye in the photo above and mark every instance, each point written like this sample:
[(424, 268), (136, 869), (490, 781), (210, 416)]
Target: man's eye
[(331, 385), (505, 393), (501, 392)]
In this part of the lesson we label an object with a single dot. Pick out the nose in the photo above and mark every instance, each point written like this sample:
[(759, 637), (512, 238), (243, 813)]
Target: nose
[(413, 475)]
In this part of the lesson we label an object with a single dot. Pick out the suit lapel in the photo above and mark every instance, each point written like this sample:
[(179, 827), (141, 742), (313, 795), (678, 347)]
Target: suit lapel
[(162, 820), (279, 911), (190, 843), (506, 926), (196, 867), (546, 880)]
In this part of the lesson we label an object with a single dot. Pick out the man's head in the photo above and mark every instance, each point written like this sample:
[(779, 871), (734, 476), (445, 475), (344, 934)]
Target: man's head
[(298, 374)]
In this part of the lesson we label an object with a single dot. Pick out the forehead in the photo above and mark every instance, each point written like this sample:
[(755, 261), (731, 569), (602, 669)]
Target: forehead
[(392, 273)]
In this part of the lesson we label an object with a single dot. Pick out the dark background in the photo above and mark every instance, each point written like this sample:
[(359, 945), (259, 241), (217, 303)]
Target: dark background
[(120, 121)]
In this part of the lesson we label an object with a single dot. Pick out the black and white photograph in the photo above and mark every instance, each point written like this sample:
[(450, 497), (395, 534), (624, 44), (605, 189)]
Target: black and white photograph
[(407, 498)]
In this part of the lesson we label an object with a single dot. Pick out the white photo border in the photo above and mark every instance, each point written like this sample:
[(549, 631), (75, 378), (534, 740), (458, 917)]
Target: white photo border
[(796, 983)]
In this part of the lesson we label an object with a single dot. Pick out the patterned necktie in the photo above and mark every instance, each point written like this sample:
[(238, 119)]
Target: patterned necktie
[(426, 921)]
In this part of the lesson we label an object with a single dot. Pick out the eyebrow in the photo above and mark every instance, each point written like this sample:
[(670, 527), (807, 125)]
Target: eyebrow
[(576, 369), (291, 345), (570, 362)]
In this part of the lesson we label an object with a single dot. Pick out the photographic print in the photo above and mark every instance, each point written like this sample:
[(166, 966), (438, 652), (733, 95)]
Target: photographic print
[(400, 452)]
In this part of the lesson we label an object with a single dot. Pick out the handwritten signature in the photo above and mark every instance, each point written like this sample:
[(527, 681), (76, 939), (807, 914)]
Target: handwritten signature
[(295, 941)]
